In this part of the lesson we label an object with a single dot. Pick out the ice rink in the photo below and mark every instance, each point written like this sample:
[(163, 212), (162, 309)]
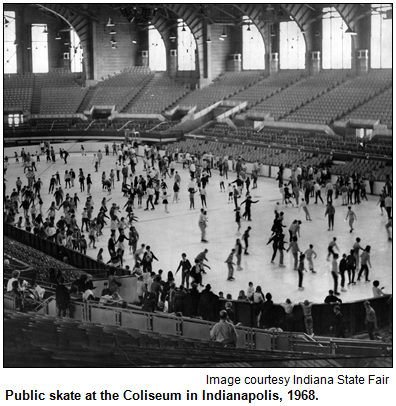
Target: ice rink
[(171, 234)]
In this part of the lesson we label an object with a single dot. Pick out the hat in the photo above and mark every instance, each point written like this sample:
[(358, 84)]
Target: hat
[(208, 286)]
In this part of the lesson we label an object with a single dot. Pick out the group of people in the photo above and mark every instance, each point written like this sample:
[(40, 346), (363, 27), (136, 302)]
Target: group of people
[(68, 232)]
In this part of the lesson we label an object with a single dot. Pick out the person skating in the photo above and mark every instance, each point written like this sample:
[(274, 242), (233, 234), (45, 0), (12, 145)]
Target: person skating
[(334, 273), (230, 265), (248, 204), (309, 253), (245, 238), (202, 223), (352, 217), (301, 269), (330, 212)]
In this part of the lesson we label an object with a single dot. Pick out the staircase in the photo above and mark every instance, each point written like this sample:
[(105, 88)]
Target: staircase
[(36, 98), (141, 91), (85, 101)]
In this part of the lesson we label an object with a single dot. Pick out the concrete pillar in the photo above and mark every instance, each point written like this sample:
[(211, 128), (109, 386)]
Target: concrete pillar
[(172, 63), (143, 59), (315, 62), (362, 65), (66, 60), (274, 63), (234, 63)]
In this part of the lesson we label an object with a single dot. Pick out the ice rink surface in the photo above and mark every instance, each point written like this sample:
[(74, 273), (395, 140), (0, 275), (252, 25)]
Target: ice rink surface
[(171, 234)]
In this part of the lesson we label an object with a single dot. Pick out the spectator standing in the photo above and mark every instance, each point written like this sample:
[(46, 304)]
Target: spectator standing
[(370, 320), (62, 297), (288, 306), (339, 326), (308, 320)]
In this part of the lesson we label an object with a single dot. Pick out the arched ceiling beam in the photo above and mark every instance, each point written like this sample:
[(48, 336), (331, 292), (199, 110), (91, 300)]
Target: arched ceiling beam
[(81, 23)]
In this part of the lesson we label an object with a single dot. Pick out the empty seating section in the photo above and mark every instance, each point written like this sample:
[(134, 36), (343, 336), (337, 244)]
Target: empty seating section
[(18, 91), (300, 93), (338, 102), (269, 156), (225, 86), (61, 100), (120, 88), (267, 87), (40, 261), (282, 137), (379, 108), (157, 95), (51, 123), (61, 93)]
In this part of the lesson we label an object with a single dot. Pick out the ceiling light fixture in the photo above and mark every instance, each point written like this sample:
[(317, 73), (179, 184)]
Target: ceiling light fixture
[(113, 32), (58, 36), (110, 23), (184, 28), (208, 40), (248, 28), (172, 37), (224, 34)]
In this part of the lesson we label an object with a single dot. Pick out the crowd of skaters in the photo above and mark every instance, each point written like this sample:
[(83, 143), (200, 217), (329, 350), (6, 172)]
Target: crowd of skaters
[(153, 187)]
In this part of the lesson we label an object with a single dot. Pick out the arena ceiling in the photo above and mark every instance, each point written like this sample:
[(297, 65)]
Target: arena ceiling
[(198, 17)]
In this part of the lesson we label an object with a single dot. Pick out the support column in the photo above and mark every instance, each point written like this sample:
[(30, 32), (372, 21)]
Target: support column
[(274, 63), (208, 51), (144, 58), (362, 65), (315, 62), (172, 63), (234, 63)]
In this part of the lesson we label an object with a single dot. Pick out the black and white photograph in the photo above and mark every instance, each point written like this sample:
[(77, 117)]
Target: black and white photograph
[(199, 185)]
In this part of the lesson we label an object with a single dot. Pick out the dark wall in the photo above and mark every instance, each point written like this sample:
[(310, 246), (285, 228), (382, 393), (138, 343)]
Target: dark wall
[(107, 60), (220, 50)]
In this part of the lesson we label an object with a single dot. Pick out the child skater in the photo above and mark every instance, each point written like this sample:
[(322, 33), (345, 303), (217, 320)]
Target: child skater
[(192, 202), (164, 197), (230, 193), (222, 187)]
